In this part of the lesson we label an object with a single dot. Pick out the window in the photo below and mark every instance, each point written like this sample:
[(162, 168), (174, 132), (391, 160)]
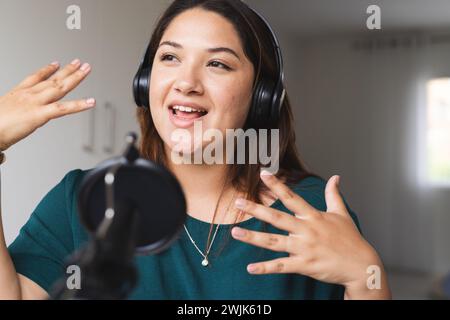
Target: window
[(438, 131)]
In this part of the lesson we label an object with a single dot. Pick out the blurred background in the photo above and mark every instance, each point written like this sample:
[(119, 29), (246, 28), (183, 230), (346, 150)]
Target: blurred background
[(371, 105)]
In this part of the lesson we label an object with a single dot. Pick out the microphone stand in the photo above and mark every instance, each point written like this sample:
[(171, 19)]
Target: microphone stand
[(107, 265)]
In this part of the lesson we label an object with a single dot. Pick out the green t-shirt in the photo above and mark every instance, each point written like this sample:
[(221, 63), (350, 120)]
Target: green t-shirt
[(54, 231)]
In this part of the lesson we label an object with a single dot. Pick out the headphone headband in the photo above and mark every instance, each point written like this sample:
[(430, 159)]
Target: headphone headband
[(267, 112), (275, 42)]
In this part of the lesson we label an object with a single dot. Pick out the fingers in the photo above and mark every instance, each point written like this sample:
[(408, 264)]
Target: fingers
[(67, 70), (281, 265), (58, 76), (61, 84), (279, 219), (40, 75), (334, 201), (60, 109), (290, 199), (274, 242)]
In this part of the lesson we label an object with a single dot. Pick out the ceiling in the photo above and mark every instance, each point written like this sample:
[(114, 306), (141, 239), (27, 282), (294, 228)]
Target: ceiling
[(341, 17)]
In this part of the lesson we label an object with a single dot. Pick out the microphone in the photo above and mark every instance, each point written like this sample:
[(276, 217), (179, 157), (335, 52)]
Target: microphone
[(130, 206)]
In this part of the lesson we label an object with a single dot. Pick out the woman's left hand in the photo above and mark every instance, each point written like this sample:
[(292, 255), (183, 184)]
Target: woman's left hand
[(325, 246)]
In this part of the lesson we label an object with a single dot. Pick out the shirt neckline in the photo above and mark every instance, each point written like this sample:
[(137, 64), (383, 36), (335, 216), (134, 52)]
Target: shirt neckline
[(228, 225)]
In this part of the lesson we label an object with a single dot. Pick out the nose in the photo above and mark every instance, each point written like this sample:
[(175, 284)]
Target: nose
[(188, 82)]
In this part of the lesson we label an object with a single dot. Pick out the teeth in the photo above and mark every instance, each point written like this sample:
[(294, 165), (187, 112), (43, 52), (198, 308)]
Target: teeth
[(186, 109)]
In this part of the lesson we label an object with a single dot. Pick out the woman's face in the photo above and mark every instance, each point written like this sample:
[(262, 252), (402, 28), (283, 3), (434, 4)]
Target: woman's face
[(200, 64)]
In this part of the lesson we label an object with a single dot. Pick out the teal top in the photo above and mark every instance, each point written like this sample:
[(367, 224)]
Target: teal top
[(54, 231)]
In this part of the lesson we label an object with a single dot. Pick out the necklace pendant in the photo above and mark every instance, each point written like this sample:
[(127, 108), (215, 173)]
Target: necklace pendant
[(205, 262)]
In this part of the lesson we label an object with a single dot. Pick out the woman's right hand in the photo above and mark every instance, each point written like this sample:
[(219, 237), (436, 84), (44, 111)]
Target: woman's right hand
[(35, 101)]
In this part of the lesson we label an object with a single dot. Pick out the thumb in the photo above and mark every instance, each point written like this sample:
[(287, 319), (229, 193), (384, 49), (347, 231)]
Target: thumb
[(333, 199)]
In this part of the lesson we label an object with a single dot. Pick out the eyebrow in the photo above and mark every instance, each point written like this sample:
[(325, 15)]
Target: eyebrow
[(211, 50)]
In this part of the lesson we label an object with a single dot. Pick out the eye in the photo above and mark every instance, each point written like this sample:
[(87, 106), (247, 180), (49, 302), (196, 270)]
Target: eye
[(167, 57), (217, 64)]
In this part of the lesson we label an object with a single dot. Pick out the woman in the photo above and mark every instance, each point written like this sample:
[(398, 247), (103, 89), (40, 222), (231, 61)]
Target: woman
[(205, 55)]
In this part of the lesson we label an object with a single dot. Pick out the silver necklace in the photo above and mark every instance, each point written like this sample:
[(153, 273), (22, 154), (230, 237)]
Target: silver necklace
[(205, 261)]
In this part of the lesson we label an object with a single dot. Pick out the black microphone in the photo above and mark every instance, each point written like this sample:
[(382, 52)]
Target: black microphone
[(130, 206)]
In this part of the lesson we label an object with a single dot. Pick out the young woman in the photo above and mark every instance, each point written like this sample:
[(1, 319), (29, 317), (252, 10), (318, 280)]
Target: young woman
[(250, 234)]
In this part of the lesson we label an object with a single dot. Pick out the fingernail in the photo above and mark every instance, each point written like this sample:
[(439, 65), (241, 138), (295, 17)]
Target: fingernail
[(55, 63), (338, 180), (265, 173), (76, 62), (90, 102), (85, 67), (252, 268), (238, 232), (240, 203)]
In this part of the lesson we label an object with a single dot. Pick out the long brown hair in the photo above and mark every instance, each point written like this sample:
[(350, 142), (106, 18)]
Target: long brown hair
[(257, 45)]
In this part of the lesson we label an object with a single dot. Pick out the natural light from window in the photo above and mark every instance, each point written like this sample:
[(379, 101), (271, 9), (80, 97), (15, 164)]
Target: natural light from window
[(438, 131)]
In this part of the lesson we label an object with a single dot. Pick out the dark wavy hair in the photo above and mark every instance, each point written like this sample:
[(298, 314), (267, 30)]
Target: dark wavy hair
[(257, 44)]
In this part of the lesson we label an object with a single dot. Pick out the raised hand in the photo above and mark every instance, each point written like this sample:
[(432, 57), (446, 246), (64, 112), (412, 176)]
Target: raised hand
[(36, 100), (326, 246)]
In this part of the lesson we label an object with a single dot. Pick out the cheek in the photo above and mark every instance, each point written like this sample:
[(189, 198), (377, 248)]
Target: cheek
[(235, 103), (158, 87), (239, 107), (160, 84)]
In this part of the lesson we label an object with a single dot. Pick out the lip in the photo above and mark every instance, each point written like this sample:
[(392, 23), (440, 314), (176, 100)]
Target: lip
[(183, 123), (192, 105)]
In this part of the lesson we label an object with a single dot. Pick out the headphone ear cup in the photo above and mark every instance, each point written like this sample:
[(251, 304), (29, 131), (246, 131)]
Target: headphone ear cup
[(261, 110), (279, 95), (141, 87), (136, 88)]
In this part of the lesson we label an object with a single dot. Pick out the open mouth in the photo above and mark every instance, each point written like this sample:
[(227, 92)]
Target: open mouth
[(187, 113)]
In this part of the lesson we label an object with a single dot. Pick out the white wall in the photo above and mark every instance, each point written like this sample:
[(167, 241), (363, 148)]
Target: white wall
[(359, 114), (112, 38)]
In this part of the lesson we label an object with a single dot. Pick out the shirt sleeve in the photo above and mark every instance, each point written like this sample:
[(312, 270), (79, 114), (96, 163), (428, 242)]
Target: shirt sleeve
[(46, 240)]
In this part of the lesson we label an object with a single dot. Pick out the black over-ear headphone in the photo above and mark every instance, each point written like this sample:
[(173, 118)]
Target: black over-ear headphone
[(268, 95)]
